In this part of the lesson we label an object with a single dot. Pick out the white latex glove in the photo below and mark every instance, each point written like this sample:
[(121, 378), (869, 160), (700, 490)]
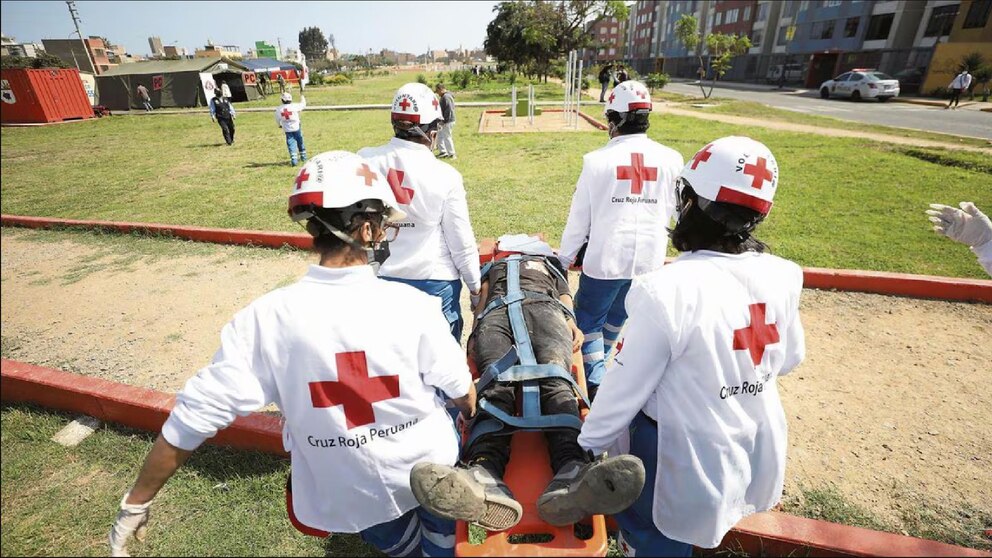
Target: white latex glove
[(967, 225), (132, 519), (474, 300), (212, 119)]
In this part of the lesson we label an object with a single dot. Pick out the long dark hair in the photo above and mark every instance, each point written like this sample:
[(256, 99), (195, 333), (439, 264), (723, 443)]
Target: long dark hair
[(721, 227)]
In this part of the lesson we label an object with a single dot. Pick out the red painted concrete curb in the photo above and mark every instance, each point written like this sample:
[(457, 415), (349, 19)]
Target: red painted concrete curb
[(899, 284), (761, 534), (199, 234), (131, 406)]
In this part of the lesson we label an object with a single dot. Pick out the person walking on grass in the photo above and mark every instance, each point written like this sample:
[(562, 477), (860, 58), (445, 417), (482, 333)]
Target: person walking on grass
[(288, 117), (346, 357), (145, 99), (446, 138), (222, 112), (959, 84)]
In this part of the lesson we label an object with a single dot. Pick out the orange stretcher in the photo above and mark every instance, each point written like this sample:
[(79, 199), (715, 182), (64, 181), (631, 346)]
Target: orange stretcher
[(528, 474)]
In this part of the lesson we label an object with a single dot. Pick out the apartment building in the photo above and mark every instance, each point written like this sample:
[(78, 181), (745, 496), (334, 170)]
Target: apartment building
[(609, 40)]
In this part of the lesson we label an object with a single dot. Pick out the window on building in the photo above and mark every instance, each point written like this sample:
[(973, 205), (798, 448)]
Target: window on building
[(879, 26), (613, 29), (783, 33), (613, 51), (941, 21), (747, 13), (978, 14), (851, 27), (831, 3), (719, 19), (822, 30), (756, 37), (762, 12), (791, 8), (732, 16)]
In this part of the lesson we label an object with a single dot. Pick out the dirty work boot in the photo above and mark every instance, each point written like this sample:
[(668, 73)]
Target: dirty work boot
[(472, 494), (604, 486)]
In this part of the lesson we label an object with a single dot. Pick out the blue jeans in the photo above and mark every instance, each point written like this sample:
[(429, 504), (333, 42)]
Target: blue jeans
[(415, 533), (449, 292), (637, 528), (600, 314), (294, 141)]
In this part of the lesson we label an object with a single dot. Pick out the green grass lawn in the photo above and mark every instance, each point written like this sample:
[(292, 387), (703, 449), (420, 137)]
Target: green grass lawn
[(62, 501), (379, 90), (843, 202)]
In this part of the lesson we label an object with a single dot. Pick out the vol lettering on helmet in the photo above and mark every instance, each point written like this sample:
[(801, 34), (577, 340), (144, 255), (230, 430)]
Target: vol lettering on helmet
[(736, 170)]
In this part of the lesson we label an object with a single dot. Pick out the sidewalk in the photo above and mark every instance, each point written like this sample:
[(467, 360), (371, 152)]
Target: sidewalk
[(744, 86)]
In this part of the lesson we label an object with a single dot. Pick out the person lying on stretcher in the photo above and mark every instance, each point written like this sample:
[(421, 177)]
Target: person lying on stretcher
[(474, 490)]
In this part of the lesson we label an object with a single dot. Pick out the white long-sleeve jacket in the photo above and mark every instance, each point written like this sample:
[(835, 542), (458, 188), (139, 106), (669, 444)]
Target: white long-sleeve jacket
[(436, 240), (288, 115), (984, 253), (354, 364), (706, 339), (624, 199)]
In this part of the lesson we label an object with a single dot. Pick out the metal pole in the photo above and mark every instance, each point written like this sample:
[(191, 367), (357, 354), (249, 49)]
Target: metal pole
[(530, 104), (513, 104), (75, 21), (568, 68), (578, 99)]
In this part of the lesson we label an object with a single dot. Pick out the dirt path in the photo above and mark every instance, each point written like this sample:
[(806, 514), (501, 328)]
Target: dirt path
[(892, 405)]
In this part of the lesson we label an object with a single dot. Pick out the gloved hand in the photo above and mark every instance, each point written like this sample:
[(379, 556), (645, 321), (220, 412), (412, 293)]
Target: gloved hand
[(132, 519), (474, 300), (577, 337), (970, 226), (212, 119)]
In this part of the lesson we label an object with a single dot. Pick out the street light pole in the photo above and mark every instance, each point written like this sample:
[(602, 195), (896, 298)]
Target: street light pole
[(75, 20)]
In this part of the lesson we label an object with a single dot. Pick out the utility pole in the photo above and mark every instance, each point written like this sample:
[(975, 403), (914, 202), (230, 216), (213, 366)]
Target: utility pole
[(279, 54), (75, 20)]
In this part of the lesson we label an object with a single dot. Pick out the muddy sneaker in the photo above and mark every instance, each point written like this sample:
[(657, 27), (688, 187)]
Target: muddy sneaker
[(472, 494), (605, 486)]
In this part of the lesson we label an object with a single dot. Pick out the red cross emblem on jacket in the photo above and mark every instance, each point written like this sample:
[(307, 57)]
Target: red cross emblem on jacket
[(756, 336), (354, 390)]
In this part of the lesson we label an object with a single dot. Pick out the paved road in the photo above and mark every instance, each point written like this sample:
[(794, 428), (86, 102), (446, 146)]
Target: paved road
[(963, 122)]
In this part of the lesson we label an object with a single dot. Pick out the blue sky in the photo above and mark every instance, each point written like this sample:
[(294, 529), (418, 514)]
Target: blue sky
[(357, 26)]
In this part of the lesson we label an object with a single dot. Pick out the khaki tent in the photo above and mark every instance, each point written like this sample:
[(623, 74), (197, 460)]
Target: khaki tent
[(171, 83)]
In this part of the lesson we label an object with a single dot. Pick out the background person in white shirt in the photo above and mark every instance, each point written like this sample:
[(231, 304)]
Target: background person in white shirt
[(354, 364), (288, 118), (959, 85), (694, 383), (437, 250), (622, 203)]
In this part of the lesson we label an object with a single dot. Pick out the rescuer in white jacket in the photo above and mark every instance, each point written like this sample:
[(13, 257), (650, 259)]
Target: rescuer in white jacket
[(355, 365), (437, 250), (288, 118), (621, 207), (694, 378)]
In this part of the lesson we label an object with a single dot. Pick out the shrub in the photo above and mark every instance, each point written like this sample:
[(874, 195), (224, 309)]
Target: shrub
[(656, 81), (337, 79), (421, 78)]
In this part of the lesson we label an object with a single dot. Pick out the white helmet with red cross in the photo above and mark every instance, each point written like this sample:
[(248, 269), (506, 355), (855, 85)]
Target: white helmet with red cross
[(417, 104), (735, 170), (629, 96), (341, 180)]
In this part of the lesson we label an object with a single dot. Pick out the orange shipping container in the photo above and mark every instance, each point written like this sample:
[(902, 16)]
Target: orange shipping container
[(43, 95)]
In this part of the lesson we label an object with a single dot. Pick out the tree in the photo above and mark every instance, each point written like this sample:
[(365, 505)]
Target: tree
[(43, 60), (722, 49), (312, 43), (529, 35)]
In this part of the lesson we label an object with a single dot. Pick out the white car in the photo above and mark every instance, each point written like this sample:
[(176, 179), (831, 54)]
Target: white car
[(861, 84)]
